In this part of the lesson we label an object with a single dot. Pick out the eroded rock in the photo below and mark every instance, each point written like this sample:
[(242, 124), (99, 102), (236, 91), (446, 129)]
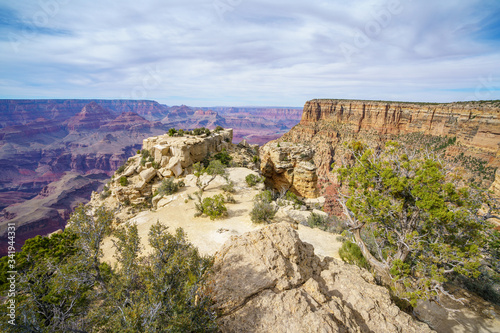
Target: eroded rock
[(269, 280)]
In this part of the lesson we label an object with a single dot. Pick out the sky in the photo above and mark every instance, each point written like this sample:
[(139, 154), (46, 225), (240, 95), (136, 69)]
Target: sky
[(250, 52)]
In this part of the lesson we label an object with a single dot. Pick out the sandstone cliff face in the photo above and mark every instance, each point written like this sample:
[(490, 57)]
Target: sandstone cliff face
[(269, 280), (289, 166), (475, 126), (327, 124)]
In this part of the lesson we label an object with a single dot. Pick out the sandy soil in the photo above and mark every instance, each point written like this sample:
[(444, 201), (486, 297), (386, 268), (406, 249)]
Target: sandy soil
[(209, 236)]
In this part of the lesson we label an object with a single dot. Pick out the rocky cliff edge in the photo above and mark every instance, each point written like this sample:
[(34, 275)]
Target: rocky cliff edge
[(269, 280)]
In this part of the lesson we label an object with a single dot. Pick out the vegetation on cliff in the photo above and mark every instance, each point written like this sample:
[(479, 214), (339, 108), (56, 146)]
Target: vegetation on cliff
[(416, 223), (63, 287)]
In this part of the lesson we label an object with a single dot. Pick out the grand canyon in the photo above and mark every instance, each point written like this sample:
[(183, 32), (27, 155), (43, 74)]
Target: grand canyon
[(54, 153)]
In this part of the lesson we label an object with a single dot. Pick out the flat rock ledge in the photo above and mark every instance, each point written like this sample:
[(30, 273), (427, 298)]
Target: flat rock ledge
[(268, 280)]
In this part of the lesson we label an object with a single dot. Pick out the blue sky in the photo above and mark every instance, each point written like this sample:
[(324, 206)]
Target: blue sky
[(250, 52)]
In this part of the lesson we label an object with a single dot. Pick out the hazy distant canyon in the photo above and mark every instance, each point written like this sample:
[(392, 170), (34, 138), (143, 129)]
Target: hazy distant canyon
[(54, 153)]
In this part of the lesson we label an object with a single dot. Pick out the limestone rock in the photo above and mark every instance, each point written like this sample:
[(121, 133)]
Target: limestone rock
[(290, 166), (148, 174), (269, 280), (175, 166), (495, 187)]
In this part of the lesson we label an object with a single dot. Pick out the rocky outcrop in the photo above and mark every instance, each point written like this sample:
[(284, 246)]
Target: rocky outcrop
[(269, 280), (289, 166), (171, 156)]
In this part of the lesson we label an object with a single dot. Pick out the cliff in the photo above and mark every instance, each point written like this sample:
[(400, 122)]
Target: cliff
[(467, 133)]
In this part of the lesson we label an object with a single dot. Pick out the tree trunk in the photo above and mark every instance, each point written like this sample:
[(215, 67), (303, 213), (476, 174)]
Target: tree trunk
[(381, 269)]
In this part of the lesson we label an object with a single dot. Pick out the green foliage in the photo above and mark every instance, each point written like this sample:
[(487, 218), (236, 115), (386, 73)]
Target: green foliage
[(350, 253), (223, 157), (252, 180), (123, 181), (105, 193), (168, 187), (172, 132), (61, 288), (120, 169), (290, 196), (215, 168), (218, 129), (420, 218), (317, 221), (214, 207), (263, 211), (255, 159), (201, 131), (229, 187), (265, 196), (145, 153)]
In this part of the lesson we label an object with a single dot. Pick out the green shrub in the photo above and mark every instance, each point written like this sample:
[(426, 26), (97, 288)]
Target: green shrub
[(229, 198), (317, 221), (262, 212), (143, 161), (155, 165), (214, 207), (229, 187), (145, 153), (290, 196), (223, 157), (120, 169), (138, 152), (351, 254), (167, 187), (255, 159), (265, 196), (172, 132), (218, 129), (252, 179), (123, 181)]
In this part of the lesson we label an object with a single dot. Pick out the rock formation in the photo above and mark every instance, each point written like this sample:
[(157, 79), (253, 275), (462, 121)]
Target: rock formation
[(326, 124), (172, 156), (289, 166), (269, 280)]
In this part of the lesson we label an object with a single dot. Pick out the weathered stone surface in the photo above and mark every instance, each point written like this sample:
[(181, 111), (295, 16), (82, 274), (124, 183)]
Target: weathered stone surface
[(290, 166), (148, 174), (495, 187), (175, 166), (269, 280)]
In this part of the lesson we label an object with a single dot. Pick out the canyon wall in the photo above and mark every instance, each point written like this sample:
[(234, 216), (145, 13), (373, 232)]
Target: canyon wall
[(467, 133)]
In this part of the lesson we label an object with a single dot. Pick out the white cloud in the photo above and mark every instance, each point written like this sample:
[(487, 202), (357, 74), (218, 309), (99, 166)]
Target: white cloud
[(251, 52)]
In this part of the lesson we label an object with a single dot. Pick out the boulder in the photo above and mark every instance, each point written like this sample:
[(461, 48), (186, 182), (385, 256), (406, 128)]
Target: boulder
[(148, 174), (269, 280), (175, 166)]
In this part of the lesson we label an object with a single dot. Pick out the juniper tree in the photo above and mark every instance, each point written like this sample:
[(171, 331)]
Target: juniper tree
[(414, 219)]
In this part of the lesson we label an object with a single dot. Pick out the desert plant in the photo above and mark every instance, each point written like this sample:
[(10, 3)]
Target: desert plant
[(263, 211), (229, 187), (214, 207), (223, 157), (252, 180), (350, 253), (168, 187), (123, 181), (172, 132)]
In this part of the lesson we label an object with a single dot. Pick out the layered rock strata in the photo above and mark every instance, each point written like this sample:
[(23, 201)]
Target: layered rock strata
[(269, 280), (326, 124)]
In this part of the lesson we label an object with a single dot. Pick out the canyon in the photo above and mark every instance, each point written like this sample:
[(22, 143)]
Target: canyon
[(44, 142)]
